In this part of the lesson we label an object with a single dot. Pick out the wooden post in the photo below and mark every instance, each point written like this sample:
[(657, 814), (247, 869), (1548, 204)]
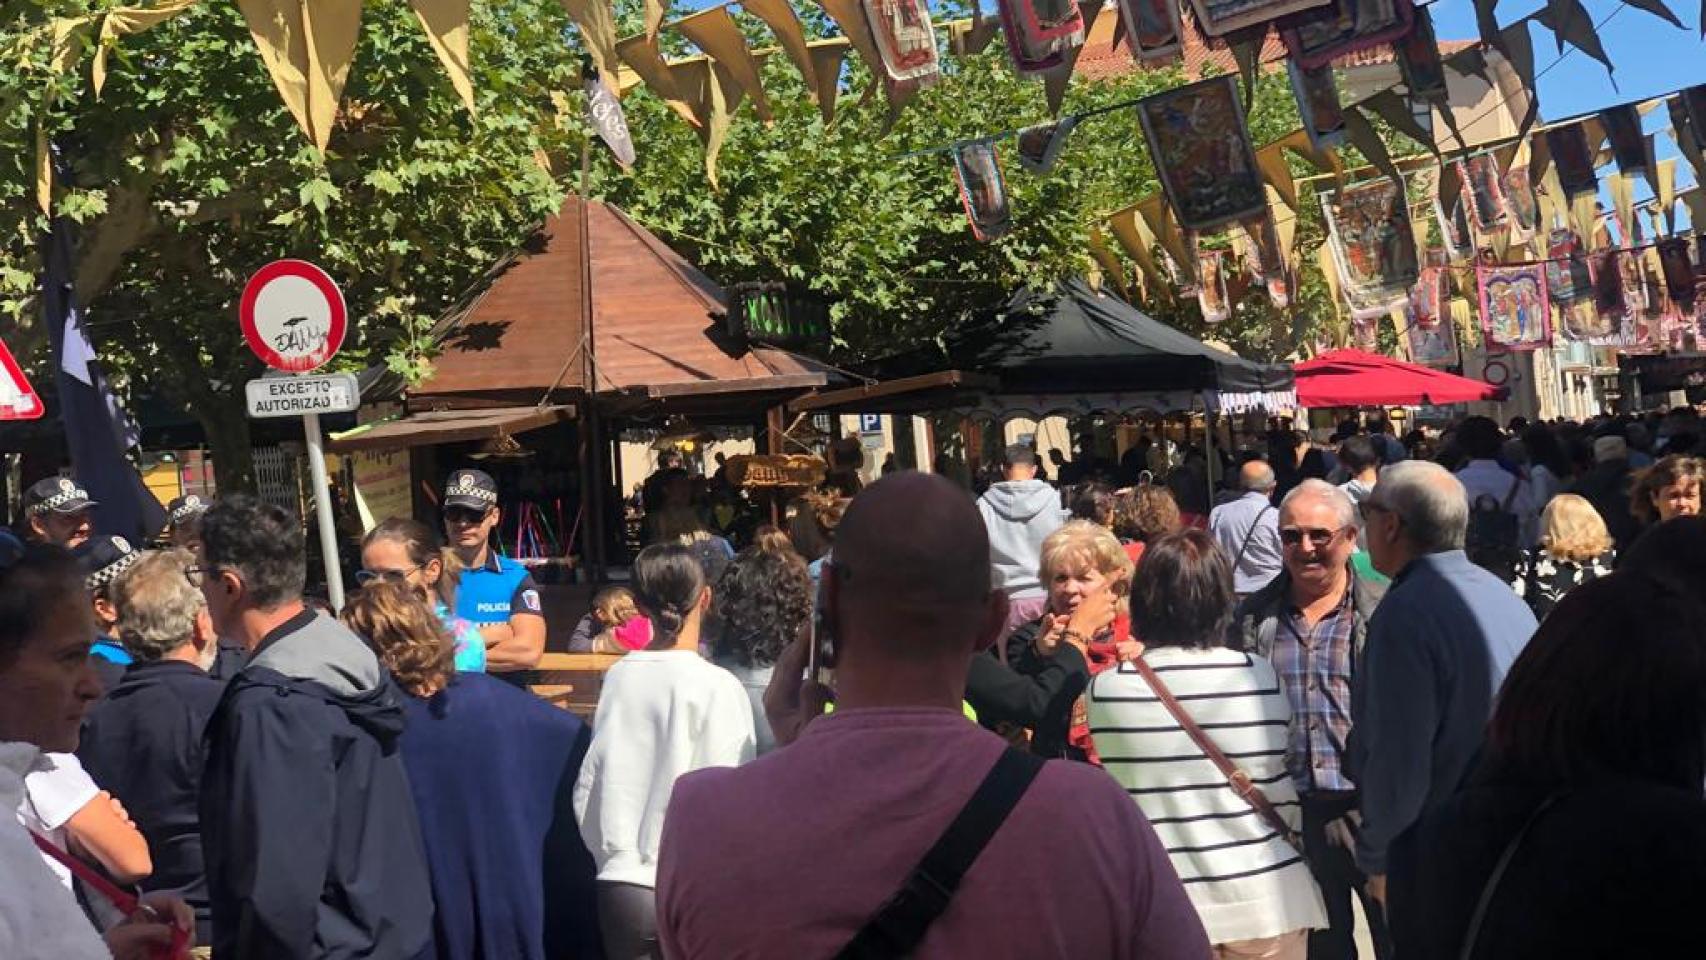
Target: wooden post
[(774, 428)]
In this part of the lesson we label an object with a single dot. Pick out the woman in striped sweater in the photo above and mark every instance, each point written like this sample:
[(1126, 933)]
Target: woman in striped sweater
[(1250, 886)]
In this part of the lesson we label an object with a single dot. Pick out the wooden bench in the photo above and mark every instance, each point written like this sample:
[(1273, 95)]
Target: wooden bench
[(572, 680)]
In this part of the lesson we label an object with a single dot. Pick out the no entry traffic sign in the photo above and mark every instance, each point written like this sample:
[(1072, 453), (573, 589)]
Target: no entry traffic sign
[(293, 315)]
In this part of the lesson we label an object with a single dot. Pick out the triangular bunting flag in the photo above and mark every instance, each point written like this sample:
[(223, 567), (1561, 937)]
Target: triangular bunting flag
[(715, 32), (780, 17), (827, 58), (642, 54), (850, 17), (123, 21), (1276, 172), (1569, 21)]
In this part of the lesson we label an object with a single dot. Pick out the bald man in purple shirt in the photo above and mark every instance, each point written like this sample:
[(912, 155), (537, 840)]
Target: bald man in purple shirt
[(791, 855)]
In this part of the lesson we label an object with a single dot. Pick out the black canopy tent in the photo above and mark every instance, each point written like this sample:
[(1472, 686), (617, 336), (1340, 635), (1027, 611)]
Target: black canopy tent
[(1069, 350)]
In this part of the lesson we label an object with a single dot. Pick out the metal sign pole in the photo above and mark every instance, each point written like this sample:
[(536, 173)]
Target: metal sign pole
[(323, 511)]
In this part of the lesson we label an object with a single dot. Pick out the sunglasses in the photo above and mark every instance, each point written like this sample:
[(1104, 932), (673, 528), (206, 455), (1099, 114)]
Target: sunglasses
[(1292, 536), (365, 577), (464, 515)]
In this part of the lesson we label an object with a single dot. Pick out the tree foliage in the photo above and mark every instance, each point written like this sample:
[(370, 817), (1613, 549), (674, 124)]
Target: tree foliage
[(187, 174), (844, 209)]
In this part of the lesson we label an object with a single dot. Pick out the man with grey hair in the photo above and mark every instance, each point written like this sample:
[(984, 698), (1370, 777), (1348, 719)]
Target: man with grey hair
[(1312, 622), (143, 742), (1247, 529), (1438, 649)]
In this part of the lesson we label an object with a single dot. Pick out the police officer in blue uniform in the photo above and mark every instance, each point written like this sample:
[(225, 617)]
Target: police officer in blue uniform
[(495, 593), (104, 560)]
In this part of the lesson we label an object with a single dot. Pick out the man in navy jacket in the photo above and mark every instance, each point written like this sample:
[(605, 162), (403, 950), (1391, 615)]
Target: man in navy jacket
[(308, 829), (1438, 649)]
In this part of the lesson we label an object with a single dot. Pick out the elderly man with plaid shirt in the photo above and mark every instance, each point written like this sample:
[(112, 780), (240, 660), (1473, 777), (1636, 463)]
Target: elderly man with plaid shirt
[(1310, 622)]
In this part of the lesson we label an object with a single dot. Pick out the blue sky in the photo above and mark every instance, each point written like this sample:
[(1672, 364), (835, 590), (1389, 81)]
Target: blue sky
[(1651, 56)]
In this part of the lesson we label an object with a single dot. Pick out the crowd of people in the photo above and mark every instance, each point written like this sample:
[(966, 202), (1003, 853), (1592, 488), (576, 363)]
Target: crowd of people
[(1458, 678)]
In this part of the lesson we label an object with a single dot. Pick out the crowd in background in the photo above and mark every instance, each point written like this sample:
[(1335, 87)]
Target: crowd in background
[(1438, 674)]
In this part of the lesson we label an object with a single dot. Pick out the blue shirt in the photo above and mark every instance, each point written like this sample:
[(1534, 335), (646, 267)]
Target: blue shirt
[(497, 591), (110, 650), (1247, 530), (1438, 648)]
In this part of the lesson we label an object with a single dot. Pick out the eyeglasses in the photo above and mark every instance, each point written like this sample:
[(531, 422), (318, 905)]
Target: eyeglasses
[(464, 516), (1292, 536), (365, 577), (198, 575)]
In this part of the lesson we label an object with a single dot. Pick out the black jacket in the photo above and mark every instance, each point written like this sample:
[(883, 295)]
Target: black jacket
[(1256, 620), (1030, 690), (1609, 870), (1606, 486), (142, 743), (312, 844)]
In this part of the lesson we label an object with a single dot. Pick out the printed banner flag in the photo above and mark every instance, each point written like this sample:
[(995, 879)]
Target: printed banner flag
[(1219, 17), (1211, 292), (1515, 313), (1434, 344), (1374, 245), (1040, 145), (1033, 50), (1419, 60), (1317, 98), (1151, 27), (905, 38), (1678, 272), (1569, 277), (1202, 153), (982, 190), (1486, 196), (1520, 204), (1346, 26)]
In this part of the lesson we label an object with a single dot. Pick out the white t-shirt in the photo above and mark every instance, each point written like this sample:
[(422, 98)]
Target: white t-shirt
[(53, 793), (661, 713), (39, 919)]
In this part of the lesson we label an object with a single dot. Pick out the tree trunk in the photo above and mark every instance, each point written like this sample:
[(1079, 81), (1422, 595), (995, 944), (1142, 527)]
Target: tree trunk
[(227, 427)]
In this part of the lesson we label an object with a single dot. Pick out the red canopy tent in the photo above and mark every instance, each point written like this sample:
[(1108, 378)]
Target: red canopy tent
[(1356, 378)]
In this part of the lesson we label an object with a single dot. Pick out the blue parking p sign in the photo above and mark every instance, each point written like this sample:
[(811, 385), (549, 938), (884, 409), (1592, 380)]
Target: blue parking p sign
[(870, 423)]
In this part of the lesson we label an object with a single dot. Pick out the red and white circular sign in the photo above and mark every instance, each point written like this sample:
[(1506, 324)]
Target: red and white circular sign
[(293, 315)]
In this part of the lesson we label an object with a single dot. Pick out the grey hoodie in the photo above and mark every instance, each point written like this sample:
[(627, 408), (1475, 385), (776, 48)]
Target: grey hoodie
[(326, 652), (1019, 514)]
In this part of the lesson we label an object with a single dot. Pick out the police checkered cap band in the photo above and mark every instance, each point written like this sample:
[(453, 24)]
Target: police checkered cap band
[(68, 493), (191, 507), (467, 486), (107, 574)]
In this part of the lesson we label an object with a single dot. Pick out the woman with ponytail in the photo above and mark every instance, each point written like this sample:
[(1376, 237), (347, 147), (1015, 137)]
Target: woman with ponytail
[(663, 711)]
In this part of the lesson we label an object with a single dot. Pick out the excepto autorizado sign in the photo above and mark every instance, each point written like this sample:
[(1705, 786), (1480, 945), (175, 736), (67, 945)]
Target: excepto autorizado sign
[(296, 396)]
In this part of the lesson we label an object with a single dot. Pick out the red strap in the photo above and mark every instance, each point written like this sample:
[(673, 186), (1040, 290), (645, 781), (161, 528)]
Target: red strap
[(122, 900)]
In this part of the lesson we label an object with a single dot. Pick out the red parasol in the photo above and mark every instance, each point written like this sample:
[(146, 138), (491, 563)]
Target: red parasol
[(1356, 378)]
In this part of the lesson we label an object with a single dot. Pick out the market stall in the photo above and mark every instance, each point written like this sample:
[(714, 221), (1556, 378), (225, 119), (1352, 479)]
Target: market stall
[(590, 326), (1356, 378)]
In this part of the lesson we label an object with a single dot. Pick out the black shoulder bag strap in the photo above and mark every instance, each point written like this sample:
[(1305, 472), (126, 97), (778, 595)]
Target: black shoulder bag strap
[(1485, 902), (899, 925), (1254, 526)]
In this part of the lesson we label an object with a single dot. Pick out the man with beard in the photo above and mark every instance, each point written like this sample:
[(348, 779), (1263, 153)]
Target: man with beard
[(59, 512)]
